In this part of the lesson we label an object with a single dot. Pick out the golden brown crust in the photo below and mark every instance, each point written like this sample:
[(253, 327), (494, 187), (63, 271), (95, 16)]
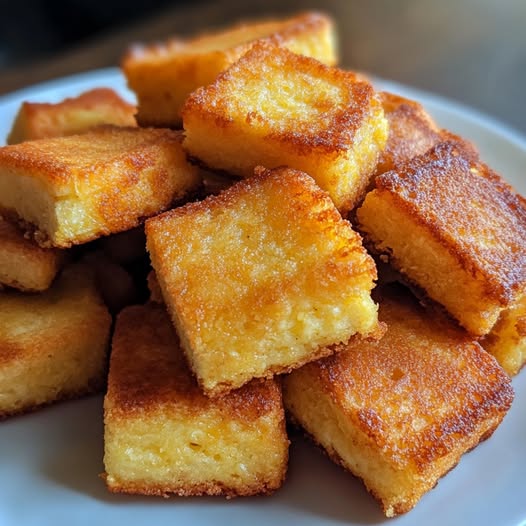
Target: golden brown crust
[(142, 381), (457, 379), (71, 116), (470, 210), (332, 134), (212, 488)]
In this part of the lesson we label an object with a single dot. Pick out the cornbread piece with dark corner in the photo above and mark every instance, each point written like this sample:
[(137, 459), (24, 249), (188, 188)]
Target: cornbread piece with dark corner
[(412, 131), (163, 436), (71, 116), (23, 264), (400, 412), (262, 278), (276, 108), (507, 339), (453, 228), (70, 190), (53, 345), (163, 75)]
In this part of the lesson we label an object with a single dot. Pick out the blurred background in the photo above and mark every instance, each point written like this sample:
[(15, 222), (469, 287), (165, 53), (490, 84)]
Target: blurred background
[(473, 51)]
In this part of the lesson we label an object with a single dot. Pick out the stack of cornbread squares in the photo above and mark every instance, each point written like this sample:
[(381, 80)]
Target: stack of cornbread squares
[(266, 218)]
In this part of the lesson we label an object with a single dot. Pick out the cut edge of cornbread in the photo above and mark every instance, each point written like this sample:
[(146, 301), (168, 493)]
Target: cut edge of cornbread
[(300, 334), (75, 200), (58, 350), (163, 436), (336, 136), (71, 116), (163, 75)]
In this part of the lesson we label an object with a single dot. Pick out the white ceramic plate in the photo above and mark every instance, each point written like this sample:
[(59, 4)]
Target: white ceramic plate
[(49, 460)]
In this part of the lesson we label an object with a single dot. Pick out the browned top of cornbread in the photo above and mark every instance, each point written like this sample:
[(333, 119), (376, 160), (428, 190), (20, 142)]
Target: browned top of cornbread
[(420, 388), (233, 40), (68, 311), (472, 212), (148, 372), (412, 131), (64, 162), (338, 102), (311, 210)]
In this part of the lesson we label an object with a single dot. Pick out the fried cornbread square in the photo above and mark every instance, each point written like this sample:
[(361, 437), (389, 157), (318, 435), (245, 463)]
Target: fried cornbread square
[(23, 264), (52, 345), (400, 412), (276, 108), (453, 228), (163, 436), (163, 75), (261, 278), (507, 339), (78, 188), (71, 116)]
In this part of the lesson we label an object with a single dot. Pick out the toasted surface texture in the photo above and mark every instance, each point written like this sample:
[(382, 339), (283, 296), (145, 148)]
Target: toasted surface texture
[(262, 278), (400, 412), (276, 108), (163, 75), (71, 116), (412, 131), (455, 229), (163, 435), (52, 345), (78, 188), (23, 264), (507, 339)]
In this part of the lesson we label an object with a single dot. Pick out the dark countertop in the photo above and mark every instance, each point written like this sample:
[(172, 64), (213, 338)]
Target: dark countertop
[(473, 51)]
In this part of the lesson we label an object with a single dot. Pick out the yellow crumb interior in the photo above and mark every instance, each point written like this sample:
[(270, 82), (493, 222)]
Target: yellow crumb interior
[(418, 255), (193, 454)]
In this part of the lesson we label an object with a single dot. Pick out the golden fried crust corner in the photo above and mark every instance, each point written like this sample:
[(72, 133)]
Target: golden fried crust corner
[(270, 278), (233, 445), (400, 412), (53, 345), (321, 120), (23, 264), (463, 230), (71, 116), (163, 75), (78, 188)]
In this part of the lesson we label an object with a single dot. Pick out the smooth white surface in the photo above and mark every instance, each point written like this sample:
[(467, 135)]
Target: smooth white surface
[(49, 460)]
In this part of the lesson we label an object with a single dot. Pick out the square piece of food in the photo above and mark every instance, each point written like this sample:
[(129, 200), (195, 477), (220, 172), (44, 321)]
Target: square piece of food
[(52, 345), (163, 75), (71, 116), (453, 228), (162, 435), (262, 278), (507, 339), (78, 188), (276, 108), (400, 412), (23, 264)]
